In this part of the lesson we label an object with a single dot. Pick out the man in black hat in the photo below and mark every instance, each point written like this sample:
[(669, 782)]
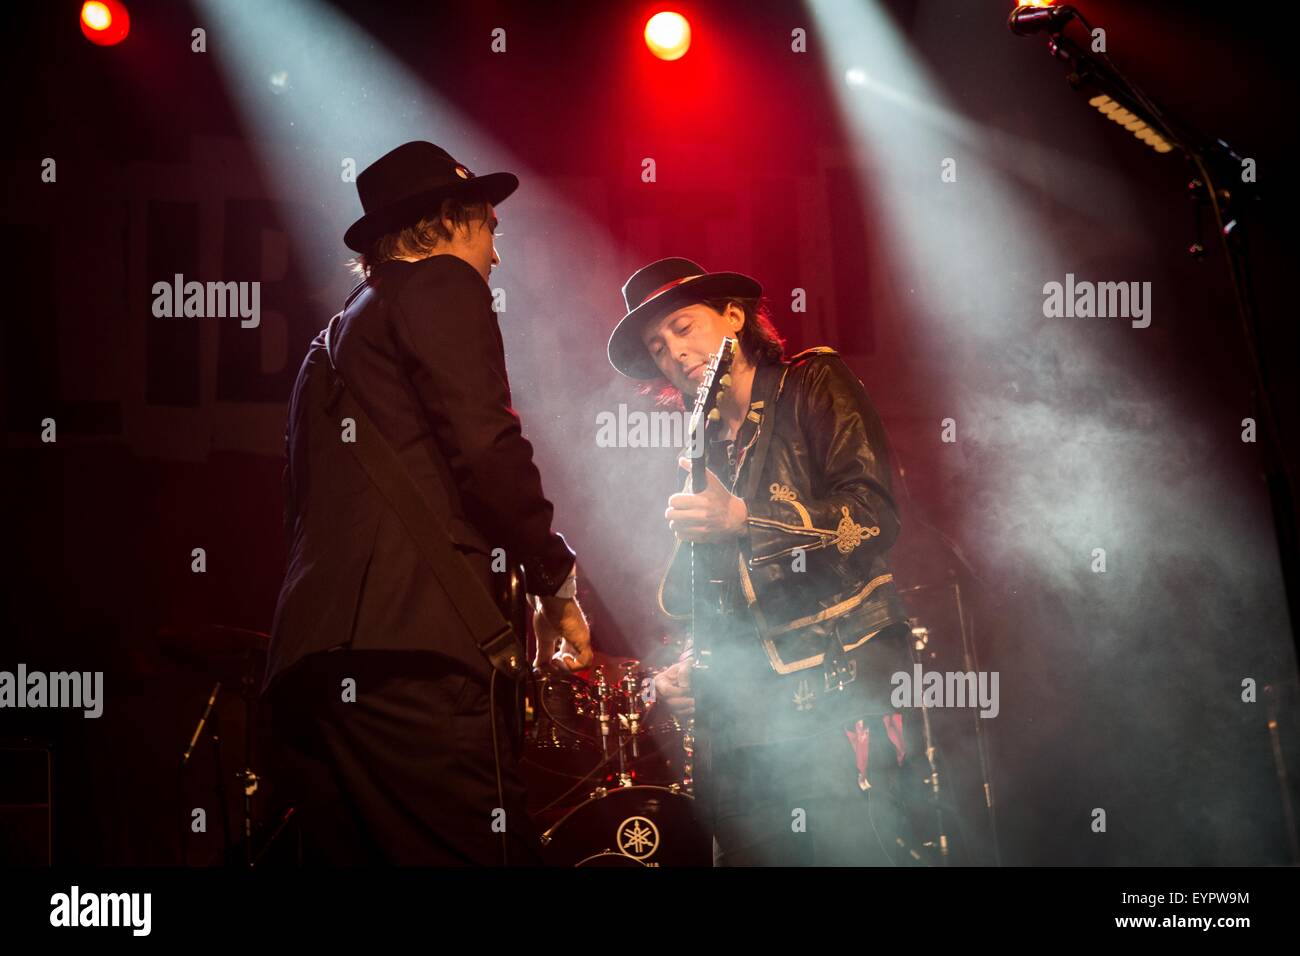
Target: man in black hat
[(803, 759), (391, 674)]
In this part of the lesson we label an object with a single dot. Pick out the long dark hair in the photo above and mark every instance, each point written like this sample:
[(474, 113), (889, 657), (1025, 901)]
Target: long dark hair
[(759, 341)]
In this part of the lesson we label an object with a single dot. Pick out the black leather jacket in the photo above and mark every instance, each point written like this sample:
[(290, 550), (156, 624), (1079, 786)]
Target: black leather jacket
[(813, 571)]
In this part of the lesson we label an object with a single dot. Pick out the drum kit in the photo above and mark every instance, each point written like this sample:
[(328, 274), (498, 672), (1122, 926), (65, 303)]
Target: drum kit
[(609, 776), (608, 770)]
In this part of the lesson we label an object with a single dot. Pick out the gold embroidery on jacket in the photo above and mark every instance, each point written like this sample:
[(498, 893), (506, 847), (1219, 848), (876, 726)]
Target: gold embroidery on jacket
[(787, 494), (782, 492), (835, 610), (768, 632), (849, 534)]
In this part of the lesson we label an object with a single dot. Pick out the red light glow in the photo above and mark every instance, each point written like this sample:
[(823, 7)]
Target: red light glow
[(668, 35), (105, 22)]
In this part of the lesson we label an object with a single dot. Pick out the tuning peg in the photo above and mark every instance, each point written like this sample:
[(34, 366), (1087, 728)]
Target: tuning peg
[(715, 415), (725, 381)]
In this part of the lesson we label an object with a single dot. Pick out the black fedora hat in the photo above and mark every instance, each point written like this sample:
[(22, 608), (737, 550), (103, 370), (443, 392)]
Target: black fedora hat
[(657, 289), (411, 181)]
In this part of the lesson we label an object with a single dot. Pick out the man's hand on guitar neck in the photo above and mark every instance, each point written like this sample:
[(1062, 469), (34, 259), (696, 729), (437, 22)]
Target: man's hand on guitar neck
[(714, 515)]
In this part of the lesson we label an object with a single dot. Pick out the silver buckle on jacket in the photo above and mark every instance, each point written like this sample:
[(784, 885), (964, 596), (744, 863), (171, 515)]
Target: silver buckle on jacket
[(834, 680), (840, 675)]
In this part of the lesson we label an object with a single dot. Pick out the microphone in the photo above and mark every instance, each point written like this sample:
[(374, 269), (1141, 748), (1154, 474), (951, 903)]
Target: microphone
[(1027, 21)]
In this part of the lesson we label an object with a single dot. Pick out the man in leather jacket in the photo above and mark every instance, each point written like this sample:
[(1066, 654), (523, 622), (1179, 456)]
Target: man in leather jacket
[(804, 757)]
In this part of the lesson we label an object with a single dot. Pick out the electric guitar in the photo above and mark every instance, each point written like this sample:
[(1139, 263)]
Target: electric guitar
[(706, 572)]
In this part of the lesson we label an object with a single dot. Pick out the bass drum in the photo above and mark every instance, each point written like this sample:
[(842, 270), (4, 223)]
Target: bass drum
[(630, 826)]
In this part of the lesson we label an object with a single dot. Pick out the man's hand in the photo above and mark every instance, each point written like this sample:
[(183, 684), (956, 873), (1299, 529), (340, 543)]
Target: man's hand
[(563, 638), (711, 516), (673, 688)]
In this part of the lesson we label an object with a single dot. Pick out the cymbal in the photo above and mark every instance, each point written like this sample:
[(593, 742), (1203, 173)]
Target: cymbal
[(219, 651)]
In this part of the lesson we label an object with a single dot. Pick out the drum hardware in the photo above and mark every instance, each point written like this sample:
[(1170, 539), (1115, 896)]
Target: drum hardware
[(234, 656), (920, 638), (622, 819), (688, 748), (602, 711), (957, 793), (919, 646), (552, 689), (574, 711), (630, 687), (280, 828), (624, 780), (628, 826)]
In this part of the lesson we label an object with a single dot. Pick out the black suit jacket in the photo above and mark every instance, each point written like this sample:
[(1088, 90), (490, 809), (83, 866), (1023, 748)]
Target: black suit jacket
[(420, 349)]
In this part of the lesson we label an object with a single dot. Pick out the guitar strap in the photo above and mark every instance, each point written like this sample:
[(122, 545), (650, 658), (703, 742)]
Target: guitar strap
[(492, 633), (769, 382)]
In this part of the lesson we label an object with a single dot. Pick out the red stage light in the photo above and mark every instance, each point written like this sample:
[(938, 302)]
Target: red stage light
[(668, 35), (105, 22)]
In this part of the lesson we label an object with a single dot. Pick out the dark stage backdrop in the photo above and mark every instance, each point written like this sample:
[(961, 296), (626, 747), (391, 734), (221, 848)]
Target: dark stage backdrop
[(1120, 690)]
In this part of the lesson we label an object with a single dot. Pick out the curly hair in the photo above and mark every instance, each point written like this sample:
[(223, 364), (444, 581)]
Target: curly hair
[(421, 239)]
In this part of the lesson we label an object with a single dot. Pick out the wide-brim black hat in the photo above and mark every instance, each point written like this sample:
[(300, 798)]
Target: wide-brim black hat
[(658, 289), (410, 182)]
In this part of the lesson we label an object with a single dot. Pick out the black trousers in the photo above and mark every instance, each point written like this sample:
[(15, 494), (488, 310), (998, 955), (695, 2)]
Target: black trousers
[(404, 774), (799, 802)]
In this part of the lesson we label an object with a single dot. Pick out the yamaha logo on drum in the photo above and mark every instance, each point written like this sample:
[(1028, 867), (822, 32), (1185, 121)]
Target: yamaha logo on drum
[(638, 838)]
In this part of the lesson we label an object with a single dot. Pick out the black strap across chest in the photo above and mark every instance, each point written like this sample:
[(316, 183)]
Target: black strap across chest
[(491, 632)]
